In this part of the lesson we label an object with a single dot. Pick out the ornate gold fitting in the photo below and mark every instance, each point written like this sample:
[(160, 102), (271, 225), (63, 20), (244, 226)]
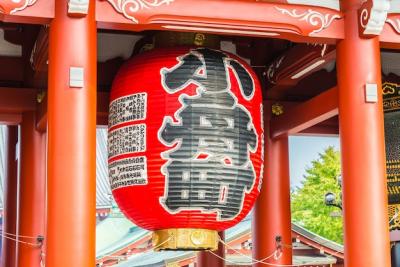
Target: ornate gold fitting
[(277, 109), (173, 39), (40, 96), (199, 39), (394, 219), (185, 239)]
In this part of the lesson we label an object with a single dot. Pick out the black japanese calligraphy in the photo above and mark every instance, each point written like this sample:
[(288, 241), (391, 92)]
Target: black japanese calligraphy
[(209, 167)]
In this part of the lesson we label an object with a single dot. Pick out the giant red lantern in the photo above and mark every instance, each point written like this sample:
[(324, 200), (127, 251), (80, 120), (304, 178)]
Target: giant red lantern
[(185, 143)]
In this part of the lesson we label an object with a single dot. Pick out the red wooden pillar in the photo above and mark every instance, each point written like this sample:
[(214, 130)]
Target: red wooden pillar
[(272, 210), (366, 234), (71, 159), (207, 259), (8, 255), (32, 190)]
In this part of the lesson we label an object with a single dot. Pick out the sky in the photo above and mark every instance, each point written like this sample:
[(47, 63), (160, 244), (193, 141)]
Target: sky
[(303, 150)]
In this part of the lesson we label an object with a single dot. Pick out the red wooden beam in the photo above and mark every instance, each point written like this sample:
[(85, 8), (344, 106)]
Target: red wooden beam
[(321, 130), (40, 52), (390, 35), (10, 119), (27, 11), (239, 17), (17, 100), (102, 111), (306, 115), (12, 69), (297, 63), (311, 86)]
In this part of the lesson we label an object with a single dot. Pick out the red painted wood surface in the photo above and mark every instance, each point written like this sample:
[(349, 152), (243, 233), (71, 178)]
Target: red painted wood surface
[(366, 233), (390, 36), (239, 17), (306, 114), (272, 209), (71, 165), (297, 63), (27, 11), (32, 190), (8, 253)]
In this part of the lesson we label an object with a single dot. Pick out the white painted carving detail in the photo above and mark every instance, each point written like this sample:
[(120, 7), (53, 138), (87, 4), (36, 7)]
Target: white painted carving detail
[(312, 17), (273, 67), (130, 7), (395, 23), (78, 6), (16, 5), (373, 20)]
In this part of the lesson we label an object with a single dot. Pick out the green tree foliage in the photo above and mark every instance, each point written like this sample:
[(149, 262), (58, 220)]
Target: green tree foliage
[(308, 205)]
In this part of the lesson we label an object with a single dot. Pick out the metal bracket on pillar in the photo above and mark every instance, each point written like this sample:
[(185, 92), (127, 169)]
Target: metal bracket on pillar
[(78, 7), (76, 77), (372, 15), (371, 93)]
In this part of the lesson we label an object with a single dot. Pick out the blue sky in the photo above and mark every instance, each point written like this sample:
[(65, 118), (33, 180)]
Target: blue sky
[(302, 150)]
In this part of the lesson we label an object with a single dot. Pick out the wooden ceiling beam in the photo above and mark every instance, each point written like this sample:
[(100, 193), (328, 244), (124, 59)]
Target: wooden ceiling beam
[(240, 17), (10, 119), (11, 70), (390, 35), (40, 51), (296, 64), (37, 59), (33, 12), (320, 130), (102, 111), (17, 100), (305, 115)]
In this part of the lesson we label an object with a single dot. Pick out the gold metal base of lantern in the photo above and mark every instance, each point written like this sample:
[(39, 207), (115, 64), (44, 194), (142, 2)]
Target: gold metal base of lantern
[(185, 239)]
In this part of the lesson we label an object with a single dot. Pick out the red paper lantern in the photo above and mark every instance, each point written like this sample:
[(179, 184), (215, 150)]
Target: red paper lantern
[(186, 143)]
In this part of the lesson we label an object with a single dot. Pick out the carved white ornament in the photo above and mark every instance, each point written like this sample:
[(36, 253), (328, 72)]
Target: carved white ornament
[(312, 17), (395, 24), (25, 4), (78, 6), (373, 20), (129, 7), (273, 68)]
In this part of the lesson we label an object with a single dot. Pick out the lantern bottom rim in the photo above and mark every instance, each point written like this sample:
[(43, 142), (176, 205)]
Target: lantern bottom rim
[(185, 239)]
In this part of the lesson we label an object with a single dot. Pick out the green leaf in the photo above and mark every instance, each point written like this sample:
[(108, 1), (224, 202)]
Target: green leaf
[(308, 204)]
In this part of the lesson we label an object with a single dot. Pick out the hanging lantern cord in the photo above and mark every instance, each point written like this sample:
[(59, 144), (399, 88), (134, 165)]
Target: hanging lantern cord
[(277, 254), (17, 238)]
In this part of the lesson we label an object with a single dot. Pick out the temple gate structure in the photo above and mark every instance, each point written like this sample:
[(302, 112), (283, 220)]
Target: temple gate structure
[(320, 64)]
